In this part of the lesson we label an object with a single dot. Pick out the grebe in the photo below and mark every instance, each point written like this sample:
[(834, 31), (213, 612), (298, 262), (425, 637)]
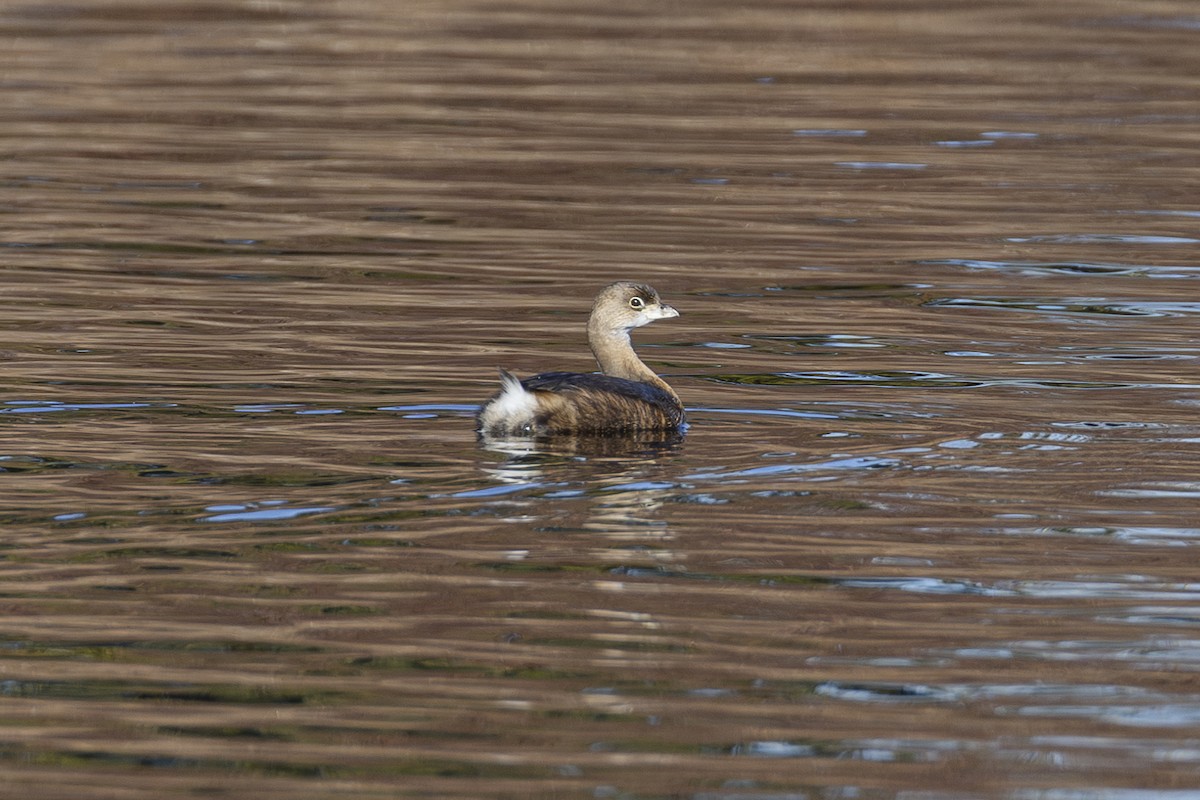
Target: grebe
[(628, 396)]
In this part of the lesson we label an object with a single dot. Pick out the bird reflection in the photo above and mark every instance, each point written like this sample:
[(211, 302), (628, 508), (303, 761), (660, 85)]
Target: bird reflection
[(617, 482), (632, 445)]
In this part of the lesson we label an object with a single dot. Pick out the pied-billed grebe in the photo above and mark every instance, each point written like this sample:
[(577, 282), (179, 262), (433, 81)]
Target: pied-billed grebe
[(628, 396)]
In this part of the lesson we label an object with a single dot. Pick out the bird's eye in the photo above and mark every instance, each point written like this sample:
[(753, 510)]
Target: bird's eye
[(637, 303)]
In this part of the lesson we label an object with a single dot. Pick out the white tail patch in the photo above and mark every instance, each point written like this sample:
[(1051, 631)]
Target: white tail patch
[(512, 410)]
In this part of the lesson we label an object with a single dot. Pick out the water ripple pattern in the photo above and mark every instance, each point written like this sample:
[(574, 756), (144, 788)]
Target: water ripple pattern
[(930, 533)]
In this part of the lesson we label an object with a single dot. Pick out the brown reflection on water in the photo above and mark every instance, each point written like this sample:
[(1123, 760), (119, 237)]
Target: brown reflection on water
[(931, 527)]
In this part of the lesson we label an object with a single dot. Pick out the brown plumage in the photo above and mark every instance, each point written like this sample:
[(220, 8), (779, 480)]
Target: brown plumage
[(627, 397)]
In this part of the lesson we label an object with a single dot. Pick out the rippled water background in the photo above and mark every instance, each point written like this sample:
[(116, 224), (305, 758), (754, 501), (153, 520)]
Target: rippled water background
[(933, 532)]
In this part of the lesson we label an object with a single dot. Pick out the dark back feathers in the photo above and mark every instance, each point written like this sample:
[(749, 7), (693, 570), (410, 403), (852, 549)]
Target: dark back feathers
[(590, 389)]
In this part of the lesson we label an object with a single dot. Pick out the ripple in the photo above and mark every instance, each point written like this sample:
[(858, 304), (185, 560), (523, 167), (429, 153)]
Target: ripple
[(841, 289), (266, 408), (256, 513), (1156, 754), (495, 491), (886, 692), (891, 378), (1138, 535), (1134, 357), (767, 412), (879, 661), (1172, 714), (924, 585), (1076, 589), (1101, 238), (1146, 21), (835, 132), (1108, 425), (639, 486), (456, 409), (906, 379), (868, 165), (31, 463), (836, 464), (1009, 135), (774, 749), (835, 340), (1092, 589), (1163, 213), (965, 143), (1042, 267), (1156, 491), (1175, 616), (54, 406), (877, 749), (1073, 306)]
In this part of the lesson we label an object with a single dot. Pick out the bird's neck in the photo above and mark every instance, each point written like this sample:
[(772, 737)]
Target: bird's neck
[(614, 353)]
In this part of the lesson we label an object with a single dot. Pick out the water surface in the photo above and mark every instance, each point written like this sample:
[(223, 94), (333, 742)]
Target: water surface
[(930, 534)]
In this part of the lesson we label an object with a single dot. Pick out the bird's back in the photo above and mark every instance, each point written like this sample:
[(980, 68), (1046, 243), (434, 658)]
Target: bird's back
[(570, 402)]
